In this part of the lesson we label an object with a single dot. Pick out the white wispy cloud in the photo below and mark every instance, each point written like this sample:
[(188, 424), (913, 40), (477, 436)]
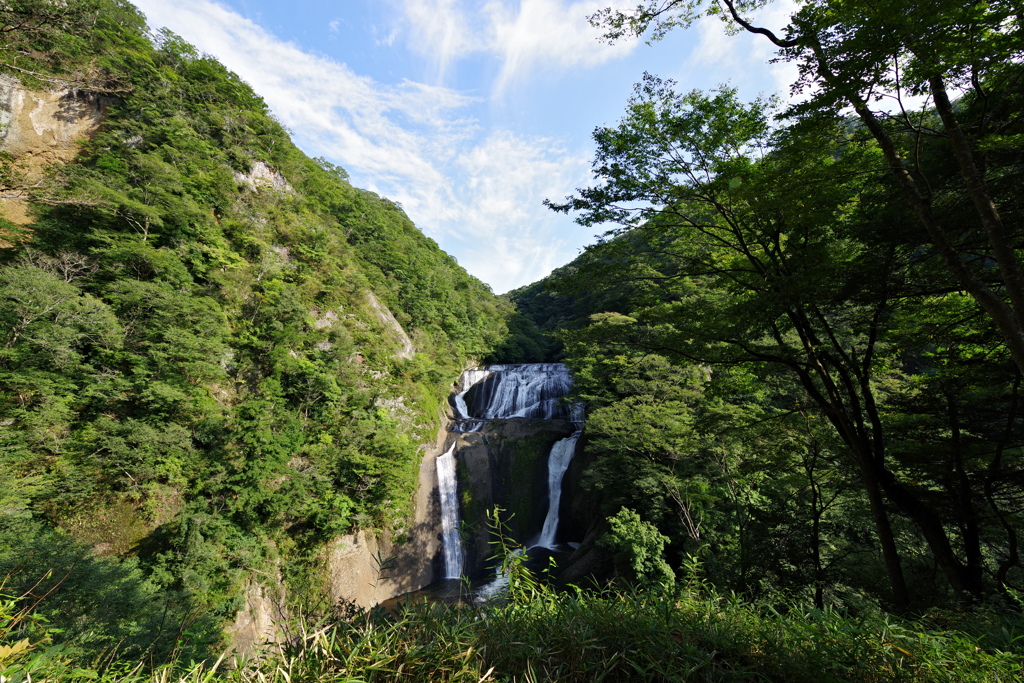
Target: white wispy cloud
[(440, 30), (732, 55), (549, 34), (476, 192), (508, 174), (524, 36), (384, 38)]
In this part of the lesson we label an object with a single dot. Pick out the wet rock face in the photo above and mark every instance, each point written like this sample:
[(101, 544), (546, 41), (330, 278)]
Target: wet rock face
[(588, 564), (504, 464)]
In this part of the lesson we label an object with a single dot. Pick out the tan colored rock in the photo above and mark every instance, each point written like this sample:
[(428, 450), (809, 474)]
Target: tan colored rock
[(258, 623), (39, 129), (398, 335)]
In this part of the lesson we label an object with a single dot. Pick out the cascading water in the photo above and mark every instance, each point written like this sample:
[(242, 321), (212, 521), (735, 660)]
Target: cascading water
[(469, 379), (446, 485), (502, 392), (558, 463)]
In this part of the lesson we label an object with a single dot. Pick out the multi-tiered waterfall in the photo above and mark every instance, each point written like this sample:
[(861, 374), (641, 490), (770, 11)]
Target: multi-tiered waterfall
[(504, 392), (531, 392)]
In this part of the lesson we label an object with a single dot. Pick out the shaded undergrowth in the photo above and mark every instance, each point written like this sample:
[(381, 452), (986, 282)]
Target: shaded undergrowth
[(539, 634)]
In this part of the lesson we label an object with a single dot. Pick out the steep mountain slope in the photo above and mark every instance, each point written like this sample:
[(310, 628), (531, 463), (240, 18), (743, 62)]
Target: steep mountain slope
[(216, 355)]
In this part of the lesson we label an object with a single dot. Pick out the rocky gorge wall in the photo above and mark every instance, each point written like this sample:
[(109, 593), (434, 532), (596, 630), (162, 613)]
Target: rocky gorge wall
[(505, 464), (588, 563), (413, 556), (363, 569), (43, 127)]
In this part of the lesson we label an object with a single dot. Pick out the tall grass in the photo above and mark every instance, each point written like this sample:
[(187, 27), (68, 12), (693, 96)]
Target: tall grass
[(702, 636), (543, 635)]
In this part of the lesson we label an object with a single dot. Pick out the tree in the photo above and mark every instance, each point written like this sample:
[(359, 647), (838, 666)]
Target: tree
[(49, 322), (637, 549), (762, 248), (855, 54), (41, 16)]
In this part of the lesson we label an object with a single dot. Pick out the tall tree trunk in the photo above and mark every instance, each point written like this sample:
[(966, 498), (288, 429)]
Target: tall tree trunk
[(890, 553), (817, 511), (1009, 318), (837, 412), (963, 494), (933, 530), (1005, 317), (993, 474), (1009, 264)]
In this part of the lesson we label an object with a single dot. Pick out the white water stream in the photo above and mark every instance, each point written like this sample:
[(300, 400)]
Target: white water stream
[(469, 379), (503, 392), (558, 462), (447, 486)]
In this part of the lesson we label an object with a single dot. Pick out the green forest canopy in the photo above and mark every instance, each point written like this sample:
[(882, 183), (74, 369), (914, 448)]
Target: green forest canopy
[(804, 380), (817, 317)]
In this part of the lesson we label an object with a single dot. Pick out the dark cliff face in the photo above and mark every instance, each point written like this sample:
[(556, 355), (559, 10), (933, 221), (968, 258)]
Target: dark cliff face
[(580, 507), (588, 563), (504, 465)]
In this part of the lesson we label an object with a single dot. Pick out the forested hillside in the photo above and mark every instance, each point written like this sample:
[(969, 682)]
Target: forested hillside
[(215, 353)]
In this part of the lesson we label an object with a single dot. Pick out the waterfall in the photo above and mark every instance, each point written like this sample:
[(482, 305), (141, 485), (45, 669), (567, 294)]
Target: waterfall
[(533, 390), (502, 392), (558, 462), (470, 378), (446, 485)]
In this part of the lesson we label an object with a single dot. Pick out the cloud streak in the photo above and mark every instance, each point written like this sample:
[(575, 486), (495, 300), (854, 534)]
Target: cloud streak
[(523, 36), (549, 35), (468, 188)]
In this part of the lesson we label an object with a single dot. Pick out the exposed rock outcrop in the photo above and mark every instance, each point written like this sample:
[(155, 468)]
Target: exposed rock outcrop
[(39, 129), (394, 329), (260, 621), (263, 176)]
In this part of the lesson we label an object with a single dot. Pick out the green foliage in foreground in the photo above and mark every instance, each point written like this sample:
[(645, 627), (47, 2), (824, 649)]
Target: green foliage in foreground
[(693, 634)]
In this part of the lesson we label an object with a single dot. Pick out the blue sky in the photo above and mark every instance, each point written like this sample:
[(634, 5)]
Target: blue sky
[(468, 113)]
